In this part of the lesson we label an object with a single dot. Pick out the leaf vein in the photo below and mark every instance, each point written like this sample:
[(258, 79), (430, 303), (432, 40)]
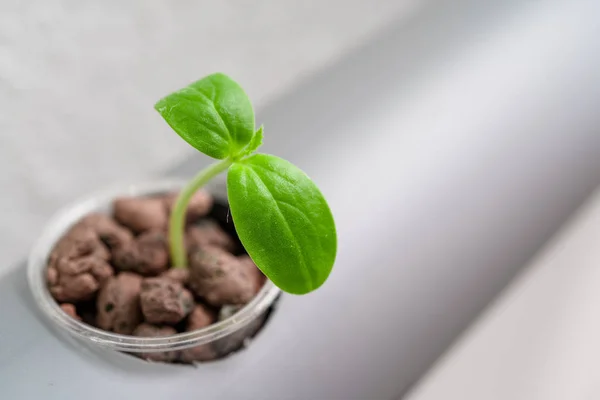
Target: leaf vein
[(212, 104), (285, 178)]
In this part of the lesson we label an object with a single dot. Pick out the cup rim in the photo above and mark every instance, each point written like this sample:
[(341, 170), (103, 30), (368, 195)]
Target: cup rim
[(66, 217)]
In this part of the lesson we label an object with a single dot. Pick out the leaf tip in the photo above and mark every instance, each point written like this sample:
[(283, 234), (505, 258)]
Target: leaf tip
[(160, 106), (255, 142)]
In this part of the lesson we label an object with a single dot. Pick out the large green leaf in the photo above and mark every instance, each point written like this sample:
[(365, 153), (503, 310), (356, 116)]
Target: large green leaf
[(213, 114), (283, 222)]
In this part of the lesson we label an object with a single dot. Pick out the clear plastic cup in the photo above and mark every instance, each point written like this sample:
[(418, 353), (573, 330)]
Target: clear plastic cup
[(225, 336)]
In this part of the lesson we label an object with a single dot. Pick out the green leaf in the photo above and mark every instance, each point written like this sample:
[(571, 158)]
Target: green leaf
[(214, 115), (283, 222), (255, 143)]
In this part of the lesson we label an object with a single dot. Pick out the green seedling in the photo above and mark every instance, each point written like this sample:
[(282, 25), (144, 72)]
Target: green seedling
[(279, 214)]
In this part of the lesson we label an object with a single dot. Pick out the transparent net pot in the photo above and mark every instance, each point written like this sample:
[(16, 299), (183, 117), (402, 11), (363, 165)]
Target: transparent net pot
[(212, 342)]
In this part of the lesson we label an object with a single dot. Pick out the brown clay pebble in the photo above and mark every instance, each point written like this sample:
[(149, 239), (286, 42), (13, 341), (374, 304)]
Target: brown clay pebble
[(141, 214), (180, 275), (154, 252), (98, 267), (101, 271), (77, 258), (199, 205), (219, 278), (118, 303), (148, 255), (203, 352), (148, 330), (199, 318), (51, 276), (126, 258), (67, 266), (70, 310), (253, 272), (164, 301), (74, 288), (79, 241), (108, 230), (208, 233), (77, 279)]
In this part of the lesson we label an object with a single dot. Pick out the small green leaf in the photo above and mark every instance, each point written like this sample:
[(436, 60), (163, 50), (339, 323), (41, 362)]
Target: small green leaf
[(214, 115), (255, 143), (283, 222)]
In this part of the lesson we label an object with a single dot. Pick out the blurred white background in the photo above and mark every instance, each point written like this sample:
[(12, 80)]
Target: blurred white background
[(78, 80), (468, 131)]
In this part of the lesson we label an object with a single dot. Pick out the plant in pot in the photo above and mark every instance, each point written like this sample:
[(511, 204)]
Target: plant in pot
[(171, 273)]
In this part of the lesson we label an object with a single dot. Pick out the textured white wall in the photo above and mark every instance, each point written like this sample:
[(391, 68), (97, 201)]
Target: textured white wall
[(78, 80)]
